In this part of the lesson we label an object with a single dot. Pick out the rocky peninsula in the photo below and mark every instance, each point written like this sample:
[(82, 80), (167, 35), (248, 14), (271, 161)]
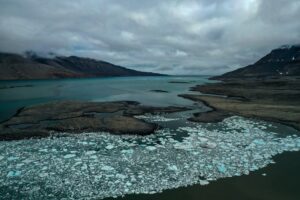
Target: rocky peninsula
[(268, 89), (42, 120), (272, 100)]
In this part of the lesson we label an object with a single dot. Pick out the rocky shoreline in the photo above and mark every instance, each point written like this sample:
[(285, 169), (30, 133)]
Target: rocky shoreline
[(42, 120), (272, 99)]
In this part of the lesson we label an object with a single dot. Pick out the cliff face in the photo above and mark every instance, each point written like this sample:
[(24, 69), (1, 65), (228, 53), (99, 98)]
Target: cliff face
[(15, 67), (284, 61)]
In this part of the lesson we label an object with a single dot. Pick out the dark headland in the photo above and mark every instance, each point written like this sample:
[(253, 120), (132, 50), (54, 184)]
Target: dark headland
[(18, 67), (268, 89), (74, 117)]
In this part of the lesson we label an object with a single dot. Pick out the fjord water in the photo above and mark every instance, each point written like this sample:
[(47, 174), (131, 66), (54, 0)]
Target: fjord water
[(17, 94), (99, 165)]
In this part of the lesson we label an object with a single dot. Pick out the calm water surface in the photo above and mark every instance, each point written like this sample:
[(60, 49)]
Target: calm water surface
[(16, 94)]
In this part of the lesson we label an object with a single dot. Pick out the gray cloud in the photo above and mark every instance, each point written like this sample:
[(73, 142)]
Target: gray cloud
[(176, 37)]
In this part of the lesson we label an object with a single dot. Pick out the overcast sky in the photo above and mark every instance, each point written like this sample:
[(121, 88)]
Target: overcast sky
[(167, 36)]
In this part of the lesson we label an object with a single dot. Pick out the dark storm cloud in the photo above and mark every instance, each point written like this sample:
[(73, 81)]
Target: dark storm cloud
[(177, 37)]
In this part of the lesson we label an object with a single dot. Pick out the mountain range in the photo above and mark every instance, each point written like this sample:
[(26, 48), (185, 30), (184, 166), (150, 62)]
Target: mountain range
[(18, 67), (283, 61)]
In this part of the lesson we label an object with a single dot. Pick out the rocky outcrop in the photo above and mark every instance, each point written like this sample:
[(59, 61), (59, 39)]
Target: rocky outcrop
[(211, 116), (273, 100), (77, 117), (159, 91), (269, 89), (285, 90)]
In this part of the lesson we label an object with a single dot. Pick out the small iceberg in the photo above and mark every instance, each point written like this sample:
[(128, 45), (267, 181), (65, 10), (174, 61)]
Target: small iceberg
[(221, 168), (109, 147), (150, 148), (14, 174), (107, 168), (69, 156)]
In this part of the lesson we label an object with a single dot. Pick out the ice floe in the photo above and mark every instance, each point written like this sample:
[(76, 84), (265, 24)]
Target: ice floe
[(99, 165), (69, 156), (14, 173), (109, 147), (156, 118)]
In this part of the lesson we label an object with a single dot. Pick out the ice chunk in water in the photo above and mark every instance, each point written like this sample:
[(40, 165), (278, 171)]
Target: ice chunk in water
[(94, 157), (14, 173), (110, 146), (173, 168), (121, 176), (259, 142), (90, 152), (19, 165), (11, 158), (84, 167), (69, 156), (127, 151), (128, 183), (208, 144), (43, 150), (221, 168), (203, 139), (150, 148), (43, 175), (107, 168), (204, 182)]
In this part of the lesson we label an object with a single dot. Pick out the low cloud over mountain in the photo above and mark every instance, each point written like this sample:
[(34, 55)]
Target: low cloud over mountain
[(176, 37)]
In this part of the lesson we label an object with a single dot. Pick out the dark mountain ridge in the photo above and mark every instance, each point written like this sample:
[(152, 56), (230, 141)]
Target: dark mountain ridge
[(284, 61), (15, 67)]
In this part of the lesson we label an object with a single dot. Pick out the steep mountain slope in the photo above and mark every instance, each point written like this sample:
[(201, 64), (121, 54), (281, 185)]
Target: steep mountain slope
[(91, 67), (284, 61), (14, 67)]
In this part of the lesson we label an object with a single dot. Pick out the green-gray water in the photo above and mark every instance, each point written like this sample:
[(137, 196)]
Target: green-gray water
[(234, 157), (16, 94)]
